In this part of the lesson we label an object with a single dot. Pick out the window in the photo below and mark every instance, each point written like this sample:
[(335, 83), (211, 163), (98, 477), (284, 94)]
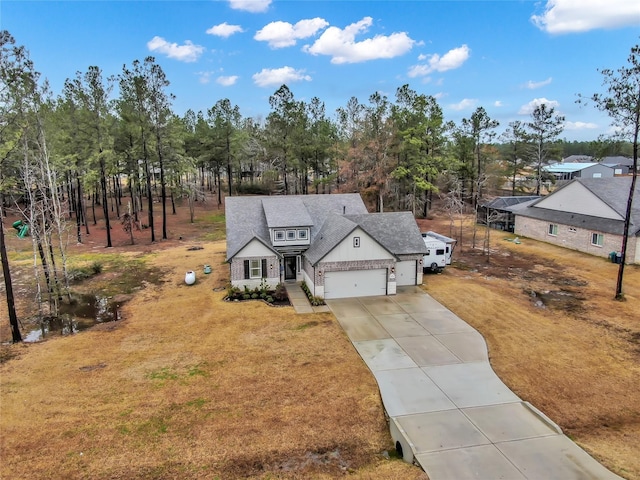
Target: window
[(356, 242), (440, 251), (597, 175), (302, 234), (597, 239), (553, 229), (291, 234), (255, 268), (279, 235)]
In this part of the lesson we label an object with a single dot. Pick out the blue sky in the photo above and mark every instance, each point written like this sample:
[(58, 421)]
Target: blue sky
[(503, 55)]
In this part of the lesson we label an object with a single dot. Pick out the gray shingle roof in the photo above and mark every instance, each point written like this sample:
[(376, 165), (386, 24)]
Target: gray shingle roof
[(612, 191), (500, 203), (335, 229), (246, 218), (331, 218), (398, 232), (286, 211)]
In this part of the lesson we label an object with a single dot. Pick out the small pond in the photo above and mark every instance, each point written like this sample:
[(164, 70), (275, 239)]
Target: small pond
[(83, 312)]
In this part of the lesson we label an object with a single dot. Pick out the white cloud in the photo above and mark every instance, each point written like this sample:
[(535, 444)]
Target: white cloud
[(268, 77), (283, 34), (580, 125), (464, 104), (227, 81), (528, 108), (498, 103), (569, 16), (185, 53), (342, 46), (531, 85), (204, 77), (253, 6), (435, 63), (224, 30)]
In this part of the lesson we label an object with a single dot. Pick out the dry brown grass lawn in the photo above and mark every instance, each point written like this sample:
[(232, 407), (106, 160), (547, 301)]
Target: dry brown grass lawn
[(578, 357), (190, 386)]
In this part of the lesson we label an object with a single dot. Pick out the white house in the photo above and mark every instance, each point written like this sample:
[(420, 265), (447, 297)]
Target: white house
[(586, 214), (329, 241)]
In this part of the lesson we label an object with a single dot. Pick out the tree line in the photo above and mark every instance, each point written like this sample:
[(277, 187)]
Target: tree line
[(114, 143)]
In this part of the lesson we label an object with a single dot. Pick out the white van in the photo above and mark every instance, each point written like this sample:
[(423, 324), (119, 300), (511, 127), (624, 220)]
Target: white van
[(436, 258)]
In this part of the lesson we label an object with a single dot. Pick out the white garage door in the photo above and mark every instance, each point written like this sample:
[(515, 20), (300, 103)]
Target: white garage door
[(406, 273), (355, 283)]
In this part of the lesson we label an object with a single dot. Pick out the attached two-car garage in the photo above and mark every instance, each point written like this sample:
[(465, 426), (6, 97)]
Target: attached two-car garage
[(355, 283)]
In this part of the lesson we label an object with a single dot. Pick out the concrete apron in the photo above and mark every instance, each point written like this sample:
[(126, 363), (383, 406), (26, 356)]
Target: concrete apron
[(448, 411)]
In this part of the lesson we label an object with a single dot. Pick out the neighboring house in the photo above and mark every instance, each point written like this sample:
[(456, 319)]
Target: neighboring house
[(569, 171), (620, 165), (496, 212), (578, 159), (586, 214), (330, 242)]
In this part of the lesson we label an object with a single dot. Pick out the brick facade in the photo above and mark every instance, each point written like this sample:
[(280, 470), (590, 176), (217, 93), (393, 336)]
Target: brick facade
[(237, 272), (350, 265), (574, 238)]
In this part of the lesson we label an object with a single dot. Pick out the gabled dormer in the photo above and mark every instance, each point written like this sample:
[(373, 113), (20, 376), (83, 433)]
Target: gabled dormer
[(288, 221), (289, 236)]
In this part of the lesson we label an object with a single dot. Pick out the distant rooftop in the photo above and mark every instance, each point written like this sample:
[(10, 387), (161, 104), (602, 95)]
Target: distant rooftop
[(569, 167)]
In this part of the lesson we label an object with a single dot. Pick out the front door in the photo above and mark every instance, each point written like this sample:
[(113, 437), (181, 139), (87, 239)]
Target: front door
[(290, 268)]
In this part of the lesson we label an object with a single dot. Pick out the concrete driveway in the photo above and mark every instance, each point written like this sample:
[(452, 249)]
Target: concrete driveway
[(448, 411)]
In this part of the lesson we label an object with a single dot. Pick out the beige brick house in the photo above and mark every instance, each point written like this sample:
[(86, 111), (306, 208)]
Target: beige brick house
[(330, 242), (586, 214)]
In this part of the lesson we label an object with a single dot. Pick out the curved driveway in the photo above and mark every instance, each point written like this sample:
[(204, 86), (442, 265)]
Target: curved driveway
[(448, 411)]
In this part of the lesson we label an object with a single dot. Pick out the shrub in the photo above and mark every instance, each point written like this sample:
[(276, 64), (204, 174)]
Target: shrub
[(255, 295), (246, 296), (96, 267), (315, 301), (280, 293), (269, 299), (232, 291)]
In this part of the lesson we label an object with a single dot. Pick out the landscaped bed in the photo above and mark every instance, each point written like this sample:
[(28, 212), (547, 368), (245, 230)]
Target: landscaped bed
[(276, 297)]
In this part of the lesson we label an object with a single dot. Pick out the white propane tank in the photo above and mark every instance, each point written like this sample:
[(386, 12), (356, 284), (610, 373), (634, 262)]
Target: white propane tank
[(190, 277)]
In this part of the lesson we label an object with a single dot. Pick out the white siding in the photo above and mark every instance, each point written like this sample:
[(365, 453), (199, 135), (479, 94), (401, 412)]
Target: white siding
[(369, 249), (576, 198), (254, 248)]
